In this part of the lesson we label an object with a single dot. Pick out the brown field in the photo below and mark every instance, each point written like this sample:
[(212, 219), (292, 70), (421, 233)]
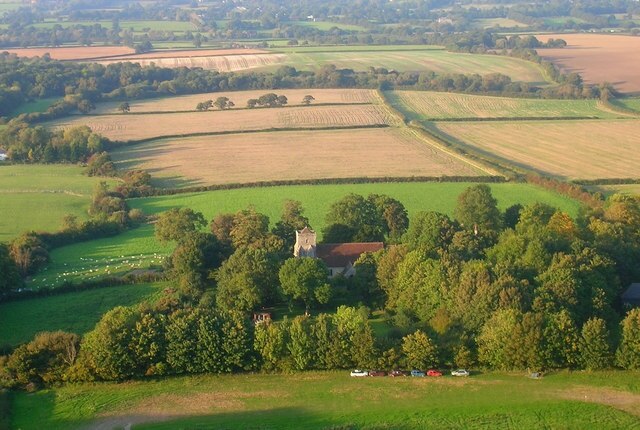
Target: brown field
[(565, 149), (73, 53), (292, 155), (144, 126), (599, 58), (221, 63), (188, 103)]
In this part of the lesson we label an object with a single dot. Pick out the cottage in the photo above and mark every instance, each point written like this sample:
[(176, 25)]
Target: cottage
[(339, 257), (631, 297)]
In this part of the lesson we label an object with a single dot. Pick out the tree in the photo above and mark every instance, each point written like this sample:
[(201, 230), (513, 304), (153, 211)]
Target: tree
[(358, 214), (124, 107), (306, 100), (595, 350), (9, 275), (204, 106), (494, 338), (300, 343), (292, 219), (392, 213), (429, 232), (222, 103), (86, 106), (282, 100), (28, 253), (302, 278), (196, 254), (419, 351), (628, 354), (252, 103), (478, 208), (246, 280), (175, 224)]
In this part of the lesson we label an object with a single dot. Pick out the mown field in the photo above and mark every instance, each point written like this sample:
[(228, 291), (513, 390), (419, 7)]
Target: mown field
[(427, 105), (138, 249), (564, 149), (599, 58), (126, 127), (75, 312), (37, 197), (241, 158), (409, 58), (239, 98), (332, 400)]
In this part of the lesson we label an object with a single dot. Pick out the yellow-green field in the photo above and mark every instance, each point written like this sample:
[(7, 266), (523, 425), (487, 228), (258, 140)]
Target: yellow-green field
[(564, 149)]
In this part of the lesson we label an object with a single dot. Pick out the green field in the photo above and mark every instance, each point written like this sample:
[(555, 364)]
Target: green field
[(36, 197), (333, 400), (75, 312), (427, 105), (39, 105), (630, 104), (138, 249), (327, 25), (412, 59), (483, 23), (135, 26)]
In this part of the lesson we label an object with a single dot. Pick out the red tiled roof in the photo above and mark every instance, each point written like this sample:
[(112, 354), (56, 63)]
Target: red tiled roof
[(341, 254)]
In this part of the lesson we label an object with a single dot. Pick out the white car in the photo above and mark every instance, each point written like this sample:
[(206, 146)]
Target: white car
[(460, 372), (359, 372)]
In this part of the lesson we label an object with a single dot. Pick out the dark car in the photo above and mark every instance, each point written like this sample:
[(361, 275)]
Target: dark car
[(395, 373), (377, 373)]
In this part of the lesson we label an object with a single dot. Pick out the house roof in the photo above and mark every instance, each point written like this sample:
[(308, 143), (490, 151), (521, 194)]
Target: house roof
[(341, 254), (632, 293), (306, 230)]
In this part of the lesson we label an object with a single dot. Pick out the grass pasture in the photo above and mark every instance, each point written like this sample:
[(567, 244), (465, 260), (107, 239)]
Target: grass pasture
[(599, 58), (564, 149), (38, 105), (37, 197), (331, 400), (138, 249), (427, 105), (239, 98), (632, 104), (242, 158), (75, 312), (130, 127)]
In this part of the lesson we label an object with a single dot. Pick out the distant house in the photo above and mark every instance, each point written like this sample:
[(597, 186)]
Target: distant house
[(3, 155), (631, 297), (339, 257)]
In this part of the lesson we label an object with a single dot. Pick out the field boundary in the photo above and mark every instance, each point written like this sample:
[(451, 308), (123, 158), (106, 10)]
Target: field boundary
[(520, 118)]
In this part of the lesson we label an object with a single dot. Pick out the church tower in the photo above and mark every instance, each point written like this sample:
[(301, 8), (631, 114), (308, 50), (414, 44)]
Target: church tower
[(305, 245)]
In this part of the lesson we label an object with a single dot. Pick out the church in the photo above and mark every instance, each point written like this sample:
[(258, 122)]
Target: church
[(339, 257)]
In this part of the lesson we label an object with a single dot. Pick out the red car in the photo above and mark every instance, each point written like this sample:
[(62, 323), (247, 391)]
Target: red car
[(377, 373), (434, 373), (395, 373)]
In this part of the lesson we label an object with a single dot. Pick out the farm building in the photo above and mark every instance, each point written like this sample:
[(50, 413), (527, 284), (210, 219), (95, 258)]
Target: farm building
[(631, 297), (339, 257)]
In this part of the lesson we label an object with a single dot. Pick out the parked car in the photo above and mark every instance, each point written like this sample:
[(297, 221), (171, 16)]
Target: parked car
[(377, 373), (395, 373), (417, 373), (359, 372), (460, 372), (433, 372)]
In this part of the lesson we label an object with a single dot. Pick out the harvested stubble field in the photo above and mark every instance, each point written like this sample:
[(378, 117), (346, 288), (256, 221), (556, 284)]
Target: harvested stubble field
[(239, 98), (423, 105), (192, 53), (73, 53), (241, 158), (565, 149), (216, 61), (126, 127), (599, 58)]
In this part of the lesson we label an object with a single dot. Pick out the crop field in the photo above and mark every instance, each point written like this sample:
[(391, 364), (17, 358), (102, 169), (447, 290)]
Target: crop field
[(137, 249), (599, 58), (239, 98), (332, 400), (76, 312), (565, 149), (72, 53), (241, 158), (127, 127), (221, 63), (26, 190), (408, 59), (427, 105)]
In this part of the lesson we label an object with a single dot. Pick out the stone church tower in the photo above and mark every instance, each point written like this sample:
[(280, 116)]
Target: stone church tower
[(305, 245)]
